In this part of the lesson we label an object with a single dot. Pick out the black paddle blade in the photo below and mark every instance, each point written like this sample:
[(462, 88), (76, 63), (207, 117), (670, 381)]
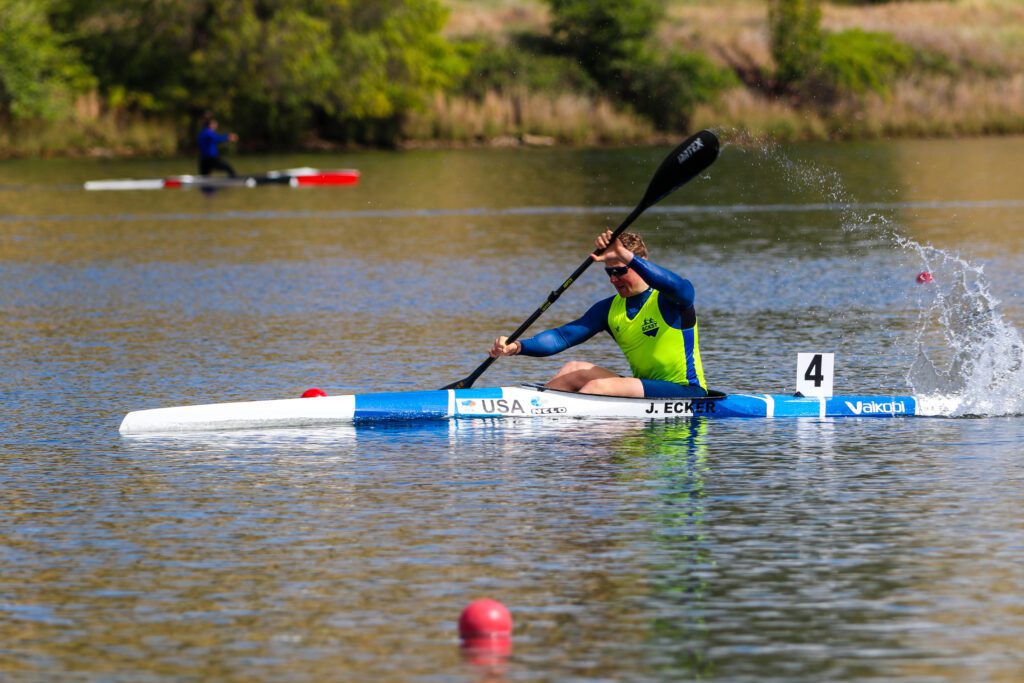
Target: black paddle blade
[(685, 162)]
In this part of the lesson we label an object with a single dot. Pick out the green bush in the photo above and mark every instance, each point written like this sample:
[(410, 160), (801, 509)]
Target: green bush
[(523, 64), (796, 40), (612, 40), (861, 61), (602, 33), (667, 88), (822, 66)]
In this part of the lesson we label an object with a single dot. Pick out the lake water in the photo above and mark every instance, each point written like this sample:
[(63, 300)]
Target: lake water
[(732, 550)]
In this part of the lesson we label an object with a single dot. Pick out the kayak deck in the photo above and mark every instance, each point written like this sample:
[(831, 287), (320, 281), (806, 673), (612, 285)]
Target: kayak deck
[(500, 402)]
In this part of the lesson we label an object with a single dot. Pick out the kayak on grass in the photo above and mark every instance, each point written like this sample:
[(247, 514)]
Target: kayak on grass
[(525, 401), (293, 177)]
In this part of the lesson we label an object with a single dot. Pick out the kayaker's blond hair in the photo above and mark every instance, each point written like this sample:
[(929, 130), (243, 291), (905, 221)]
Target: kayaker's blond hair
[(634, 242)]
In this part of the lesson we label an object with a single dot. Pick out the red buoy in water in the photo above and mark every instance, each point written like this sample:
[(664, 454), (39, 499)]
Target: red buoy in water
[(313, 393), (924, 277), (485, 618)]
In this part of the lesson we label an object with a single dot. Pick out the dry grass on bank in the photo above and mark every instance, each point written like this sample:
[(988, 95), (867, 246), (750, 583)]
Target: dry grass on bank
[(983, 31), (506, 118), (499, 19), (941, 106), (979, 32), (984, 39), (745, 110), (934, 107), (103, 135), (496, 18), (972, 32)]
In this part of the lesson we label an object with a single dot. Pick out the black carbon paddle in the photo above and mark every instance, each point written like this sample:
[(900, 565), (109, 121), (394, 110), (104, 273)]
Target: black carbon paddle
[(680, 167)]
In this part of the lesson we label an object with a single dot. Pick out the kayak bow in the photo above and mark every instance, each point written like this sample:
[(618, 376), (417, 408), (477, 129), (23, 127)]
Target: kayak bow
[(517, 402)]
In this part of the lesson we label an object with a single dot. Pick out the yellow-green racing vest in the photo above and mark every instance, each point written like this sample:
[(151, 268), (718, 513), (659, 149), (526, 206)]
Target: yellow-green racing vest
[(655, 349)]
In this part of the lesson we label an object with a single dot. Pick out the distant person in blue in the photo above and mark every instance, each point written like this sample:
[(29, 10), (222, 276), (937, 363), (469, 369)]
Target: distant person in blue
[(651, 318), (209, 148)]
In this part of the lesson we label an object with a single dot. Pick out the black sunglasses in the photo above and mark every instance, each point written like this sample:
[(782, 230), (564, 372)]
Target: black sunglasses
[(617, 271)]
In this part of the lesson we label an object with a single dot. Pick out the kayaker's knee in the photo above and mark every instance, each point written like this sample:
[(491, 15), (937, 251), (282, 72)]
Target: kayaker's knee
[(574, 366), (600, 385), (614, 386)]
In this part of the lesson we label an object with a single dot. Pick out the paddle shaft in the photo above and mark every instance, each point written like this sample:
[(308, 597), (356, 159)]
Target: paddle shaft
[(552, 298)]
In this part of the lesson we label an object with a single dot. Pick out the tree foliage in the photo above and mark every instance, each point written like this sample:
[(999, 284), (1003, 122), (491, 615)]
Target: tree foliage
[(603, 34), (667, 88), (526, 63), (796, 39), (138, 49), (612, 40), (822, 66), (269, 68), (39, 73)]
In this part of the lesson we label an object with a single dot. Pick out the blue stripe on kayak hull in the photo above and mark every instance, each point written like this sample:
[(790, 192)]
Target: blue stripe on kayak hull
[(735, 406), (790, 406), (400, 405), (414, 404)]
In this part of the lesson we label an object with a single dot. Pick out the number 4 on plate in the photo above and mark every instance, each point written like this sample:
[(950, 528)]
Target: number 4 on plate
[(814, 373)]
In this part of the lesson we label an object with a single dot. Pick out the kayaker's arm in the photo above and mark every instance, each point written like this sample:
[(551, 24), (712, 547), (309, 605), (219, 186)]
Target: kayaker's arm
[(550, 342), (674, 287), (209, 137)]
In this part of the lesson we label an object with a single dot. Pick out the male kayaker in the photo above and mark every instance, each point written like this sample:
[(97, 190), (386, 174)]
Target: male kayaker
[(651, 317), (209, 148)]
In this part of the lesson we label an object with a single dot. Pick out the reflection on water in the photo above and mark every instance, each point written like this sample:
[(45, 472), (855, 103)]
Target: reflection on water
[(682, 560), (798, 550)]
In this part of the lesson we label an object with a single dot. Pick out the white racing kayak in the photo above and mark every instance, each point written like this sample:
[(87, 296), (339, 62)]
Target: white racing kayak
[(526, 401), (293, 177)]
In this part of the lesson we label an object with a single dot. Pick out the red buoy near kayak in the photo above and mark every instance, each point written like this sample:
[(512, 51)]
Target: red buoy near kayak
[(924, 277), (313, 393), (485, 618)]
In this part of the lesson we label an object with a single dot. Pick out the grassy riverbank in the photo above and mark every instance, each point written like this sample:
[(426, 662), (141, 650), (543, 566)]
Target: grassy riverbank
[(967, 78), (973, 83)]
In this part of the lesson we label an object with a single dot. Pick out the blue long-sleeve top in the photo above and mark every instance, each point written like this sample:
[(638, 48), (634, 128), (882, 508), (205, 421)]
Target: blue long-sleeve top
[(675, 301), (209, 139)]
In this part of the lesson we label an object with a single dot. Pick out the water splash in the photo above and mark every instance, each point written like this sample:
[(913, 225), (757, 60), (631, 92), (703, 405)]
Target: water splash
[(968, 359), (968, 356)]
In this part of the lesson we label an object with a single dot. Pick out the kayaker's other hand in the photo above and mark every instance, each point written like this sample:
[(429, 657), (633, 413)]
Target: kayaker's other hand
[(501, 347)]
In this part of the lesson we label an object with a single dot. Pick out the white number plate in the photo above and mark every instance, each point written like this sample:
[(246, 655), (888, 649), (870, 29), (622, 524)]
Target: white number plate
[(814, 373)]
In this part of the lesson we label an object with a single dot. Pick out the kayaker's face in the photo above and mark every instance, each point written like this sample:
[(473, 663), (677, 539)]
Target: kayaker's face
[(626, 283)]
